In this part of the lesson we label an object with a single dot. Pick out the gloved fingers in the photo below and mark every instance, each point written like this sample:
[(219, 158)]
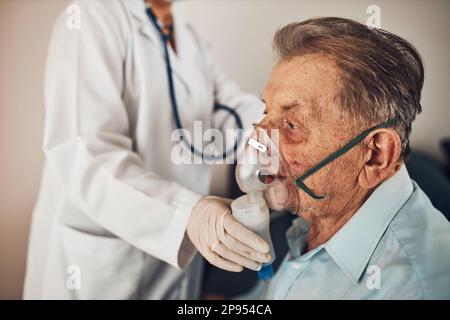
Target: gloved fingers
[(226, 253), (209, 236), (227, 201), (237, 246), (244, 250), (244, 235), (222, 263)]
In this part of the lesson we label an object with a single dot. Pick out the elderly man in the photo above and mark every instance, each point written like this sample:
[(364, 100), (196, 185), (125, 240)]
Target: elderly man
[(343, 97)]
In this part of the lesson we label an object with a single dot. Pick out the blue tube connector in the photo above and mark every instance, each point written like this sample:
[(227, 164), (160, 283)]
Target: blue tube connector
[(266, 272)]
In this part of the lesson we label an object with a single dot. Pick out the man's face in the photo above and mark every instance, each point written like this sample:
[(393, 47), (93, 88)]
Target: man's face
[(299, 99)]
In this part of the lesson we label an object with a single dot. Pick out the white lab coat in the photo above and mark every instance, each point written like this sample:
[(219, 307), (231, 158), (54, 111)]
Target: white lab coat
[(112, 211)]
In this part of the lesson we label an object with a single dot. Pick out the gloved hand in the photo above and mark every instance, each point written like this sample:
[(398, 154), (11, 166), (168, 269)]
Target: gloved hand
[(222, 240)]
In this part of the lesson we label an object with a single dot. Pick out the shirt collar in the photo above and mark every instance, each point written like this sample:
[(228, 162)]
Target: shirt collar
[(182, 38), (353, 245), (138, 11), (137, 8)]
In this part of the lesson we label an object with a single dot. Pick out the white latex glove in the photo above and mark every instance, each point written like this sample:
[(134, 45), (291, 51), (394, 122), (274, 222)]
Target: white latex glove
[(222, 240)]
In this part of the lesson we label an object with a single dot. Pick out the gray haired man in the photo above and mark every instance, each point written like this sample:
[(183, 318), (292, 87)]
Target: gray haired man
[(343, 97)]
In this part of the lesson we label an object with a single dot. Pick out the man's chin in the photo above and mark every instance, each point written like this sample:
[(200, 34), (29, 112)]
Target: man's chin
[(309, 208)]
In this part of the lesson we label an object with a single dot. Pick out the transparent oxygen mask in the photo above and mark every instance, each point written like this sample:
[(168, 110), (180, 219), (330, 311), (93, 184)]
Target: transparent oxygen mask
[(262, 176), (262, 171)]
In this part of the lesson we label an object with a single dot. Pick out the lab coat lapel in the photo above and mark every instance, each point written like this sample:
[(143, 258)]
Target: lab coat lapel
[(137, 8), (179, 62), (187, 49)]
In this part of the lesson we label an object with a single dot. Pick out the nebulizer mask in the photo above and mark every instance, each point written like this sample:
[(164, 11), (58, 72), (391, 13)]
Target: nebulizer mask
[(266, 182)]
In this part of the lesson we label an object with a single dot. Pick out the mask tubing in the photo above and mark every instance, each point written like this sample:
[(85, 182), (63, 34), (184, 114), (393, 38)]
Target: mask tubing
[(333, 156)]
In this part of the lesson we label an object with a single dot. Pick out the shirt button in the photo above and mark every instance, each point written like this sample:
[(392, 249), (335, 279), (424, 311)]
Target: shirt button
[(296, 265)]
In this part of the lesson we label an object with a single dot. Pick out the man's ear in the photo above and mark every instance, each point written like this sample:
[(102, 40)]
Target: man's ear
[(382, 154)]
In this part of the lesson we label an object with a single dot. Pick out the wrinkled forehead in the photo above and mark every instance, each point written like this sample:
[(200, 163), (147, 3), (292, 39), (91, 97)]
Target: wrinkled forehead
[(311, 81)]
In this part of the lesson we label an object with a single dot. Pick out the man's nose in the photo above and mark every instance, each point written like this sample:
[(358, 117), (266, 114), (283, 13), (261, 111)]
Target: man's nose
[(268, 123)]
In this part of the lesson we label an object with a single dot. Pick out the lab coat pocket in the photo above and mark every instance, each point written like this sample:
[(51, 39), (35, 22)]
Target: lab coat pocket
[(94, 267)]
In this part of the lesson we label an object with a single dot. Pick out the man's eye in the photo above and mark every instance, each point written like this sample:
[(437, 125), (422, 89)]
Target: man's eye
[(291, 125)]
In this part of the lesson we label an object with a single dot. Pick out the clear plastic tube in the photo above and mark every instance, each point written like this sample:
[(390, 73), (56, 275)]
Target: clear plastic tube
[(252, 212)]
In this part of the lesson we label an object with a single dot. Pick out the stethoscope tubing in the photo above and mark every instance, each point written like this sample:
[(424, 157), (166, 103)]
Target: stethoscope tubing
[(174, 104)]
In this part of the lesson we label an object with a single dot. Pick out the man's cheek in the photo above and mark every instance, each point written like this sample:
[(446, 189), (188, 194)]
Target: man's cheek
[(320, 181), (300, 162)]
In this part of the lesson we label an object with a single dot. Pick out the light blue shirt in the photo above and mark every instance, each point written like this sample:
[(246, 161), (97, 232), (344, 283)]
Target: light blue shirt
[(396, 246)]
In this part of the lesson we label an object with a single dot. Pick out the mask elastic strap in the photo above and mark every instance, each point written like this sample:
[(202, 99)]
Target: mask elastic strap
[(333, 156)]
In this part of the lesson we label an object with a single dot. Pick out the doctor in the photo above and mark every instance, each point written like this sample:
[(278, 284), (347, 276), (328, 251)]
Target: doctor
[(115, 217)]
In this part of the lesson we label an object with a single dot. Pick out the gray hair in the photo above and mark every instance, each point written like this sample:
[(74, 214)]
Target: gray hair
[(381, 74)]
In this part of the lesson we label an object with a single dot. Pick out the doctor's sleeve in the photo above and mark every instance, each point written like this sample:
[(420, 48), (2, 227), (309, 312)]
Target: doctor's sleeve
[(88, 144)]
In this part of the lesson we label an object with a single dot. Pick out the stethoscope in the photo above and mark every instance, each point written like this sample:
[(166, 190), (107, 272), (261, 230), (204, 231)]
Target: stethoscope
[(173, 100)]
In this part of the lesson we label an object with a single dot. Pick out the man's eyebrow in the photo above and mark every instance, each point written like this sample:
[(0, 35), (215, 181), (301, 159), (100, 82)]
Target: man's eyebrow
[(289, 107), (286, 107), (262, 99)]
